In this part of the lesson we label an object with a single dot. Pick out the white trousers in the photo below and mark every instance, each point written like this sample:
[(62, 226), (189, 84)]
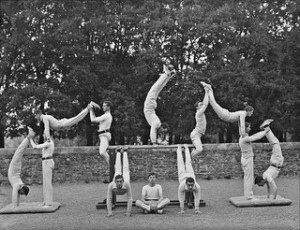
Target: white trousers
[(247, 165), (118, 166), (185, 170), (48, 166)]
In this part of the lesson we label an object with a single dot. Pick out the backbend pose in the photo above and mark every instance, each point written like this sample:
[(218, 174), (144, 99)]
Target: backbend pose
[(200, 128), (150, 105), (247, 159), (14, 171), (104, 121), (188, 186), (225, 115), (276, 162), (52, 123), (121, 184), (48, 166), (152, 197)]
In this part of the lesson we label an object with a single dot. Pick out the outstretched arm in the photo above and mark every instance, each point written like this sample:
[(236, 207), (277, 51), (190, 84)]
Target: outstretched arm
[(97, 119), (205, 102), (274, 187), (15, 196), (242, 125), (46, 122), (197, 198), (40, 146), (181, 197), (268, 189), (109, 198), (129, 200)]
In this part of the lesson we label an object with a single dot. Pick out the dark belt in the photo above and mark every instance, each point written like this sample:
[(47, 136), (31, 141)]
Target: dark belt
[(151, 199), (103, 131), (276, 166), (47, 158)]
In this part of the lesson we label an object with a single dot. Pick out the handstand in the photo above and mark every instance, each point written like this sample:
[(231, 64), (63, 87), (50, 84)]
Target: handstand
[(225, 115), (276, 162), (104, 121), (188, 186), (200, 128), (120, 185), (52, 123), (14, 171), (150, 105)]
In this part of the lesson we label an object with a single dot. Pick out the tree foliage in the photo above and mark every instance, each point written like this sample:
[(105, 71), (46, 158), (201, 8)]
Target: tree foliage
[(67, 53)]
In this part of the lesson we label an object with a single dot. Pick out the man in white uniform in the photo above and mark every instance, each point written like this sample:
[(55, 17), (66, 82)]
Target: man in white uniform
[(48, 166), (52, 123), (276, 162), (225, 115), (104, 121), (121, 184), (200, 128), (14, 171), (152, 197), (247, 159), (150, 105), (187, 180)]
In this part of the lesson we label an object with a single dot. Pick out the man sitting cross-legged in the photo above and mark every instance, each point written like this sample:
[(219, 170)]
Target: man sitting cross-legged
[(121, 184), (152, 197), (187, 181)]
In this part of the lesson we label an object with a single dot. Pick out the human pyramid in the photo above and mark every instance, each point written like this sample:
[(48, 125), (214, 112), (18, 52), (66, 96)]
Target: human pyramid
[(152, 200)]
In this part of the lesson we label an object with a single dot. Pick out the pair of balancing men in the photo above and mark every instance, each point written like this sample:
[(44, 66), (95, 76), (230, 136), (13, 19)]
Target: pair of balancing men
[(15, 166), (276, 160), (157, 127), (104, 121), (152, 200), (245, 142), (238, 116)]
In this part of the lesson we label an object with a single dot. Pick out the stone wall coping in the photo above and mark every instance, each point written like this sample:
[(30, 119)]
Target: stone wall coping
[(209, 147)]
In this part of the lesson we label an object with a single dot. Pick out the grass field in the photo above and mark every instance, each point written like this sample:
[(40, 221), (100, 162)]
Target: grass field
[(78, 210)]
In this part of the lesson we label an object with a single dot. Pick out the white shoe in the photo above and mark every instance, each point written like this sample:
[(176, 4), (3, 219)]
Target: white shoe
[(265, 123)]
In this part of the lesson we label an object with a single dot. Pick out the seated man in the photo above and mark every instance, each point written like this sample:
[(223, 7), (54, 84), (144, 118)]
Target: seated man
[(187, 180), (276, 162), (14, 171), (152, 197), (121, 184)]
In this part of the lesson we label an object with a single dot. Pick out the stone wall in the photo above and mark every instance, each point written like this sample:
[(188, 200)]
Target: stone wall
[(84, 164)]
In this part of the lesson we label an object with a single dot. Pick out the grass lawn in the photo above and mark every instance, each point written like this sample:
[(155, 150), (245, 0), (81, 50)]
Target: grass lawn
[(78, 209)]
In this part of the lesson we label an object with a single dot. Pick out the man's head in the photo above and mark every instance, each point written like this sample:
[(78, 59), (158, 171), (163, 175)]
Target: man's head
[(260, 181), (198, 105), (106, 106), (31, 132), (152, 178), (249, 110), (247, 127), (24, 190), (119, 180), (37, 114), (163, 129), (190, 182)]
